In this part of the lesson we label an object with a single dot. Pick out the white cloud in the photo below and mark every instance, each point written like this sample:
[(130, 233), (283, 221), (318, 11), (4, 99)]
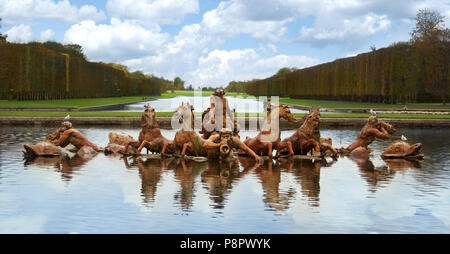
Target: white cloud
[(134, 37), (14, 12), (46, 35), (351, 23), (220, 66), (344, 30), (179, 56), (231, 18), (272, 47), (115, 42), (158, 11), (20, 34)]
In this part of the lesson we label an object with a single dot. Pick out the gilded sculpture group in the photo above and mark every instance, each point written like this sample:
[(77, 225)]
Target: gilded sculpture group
[(220, 137)]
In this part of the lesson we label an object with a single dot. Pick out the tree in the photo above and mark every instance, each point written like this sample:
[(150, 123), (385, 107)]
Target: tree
[(432, 38), (71, 49), (75, 50), (138, 74), (178, 83), (429, 27), (283, 71), (119, 66), (2, 37)]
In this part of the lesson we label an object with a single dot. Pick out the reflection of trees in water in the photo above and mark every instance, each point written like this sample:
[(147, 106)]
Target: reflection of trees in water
[(66, 165), (218, 179)]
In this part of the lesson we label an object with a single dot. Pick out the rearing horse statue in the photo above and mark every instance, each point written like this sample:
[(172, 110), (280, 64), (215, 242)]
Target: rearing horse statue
[(305, 139), (150, 135), (268, 138), (186, 138)]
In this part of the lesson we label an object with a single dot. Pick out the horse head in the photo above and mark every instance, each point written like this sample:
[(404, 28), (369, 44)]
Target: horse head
[(311, 121), (185, 111), (285, 112), (148, 118)]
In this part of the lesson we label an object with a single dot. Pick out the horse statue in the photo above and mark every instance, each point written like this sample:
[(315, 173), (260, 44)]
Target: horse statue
[(186, 139), (150, 135), (306, 140), (268, 138), (117, 142)]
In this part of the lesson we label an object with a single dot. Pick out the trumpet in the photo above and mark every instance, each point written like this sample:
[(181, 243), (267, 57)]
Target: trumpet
[(224, 148)]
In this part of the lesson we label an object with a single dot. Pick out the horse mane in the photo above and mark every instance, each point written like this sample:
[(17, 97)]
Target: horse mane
[(152, 123), (192, 116), (306, 126)]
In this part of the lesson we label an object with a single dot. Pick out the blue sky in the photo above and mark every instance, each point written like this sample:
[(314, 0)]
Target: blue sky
[(210, 43)]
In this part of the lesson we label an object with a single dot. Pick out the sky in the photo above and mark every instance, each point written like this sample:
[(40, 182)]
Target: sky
[(212, 42)]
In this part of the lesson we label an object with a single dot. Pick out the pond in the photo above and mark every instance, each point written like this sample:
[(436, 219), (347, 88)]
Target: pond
[(118, 195), (248, 105)]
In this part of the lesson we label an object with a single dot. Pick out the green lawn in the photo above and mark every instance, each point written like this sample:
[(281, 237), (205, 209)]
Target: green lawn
[(169, 114), (91, 102), (78, 103), (325, 103), (360, 105), (169, 94)]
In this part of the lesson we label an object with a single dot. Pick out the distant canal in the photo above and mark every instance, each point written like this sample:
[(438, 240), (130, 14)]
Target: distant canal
[(241, 105), (128, 195)]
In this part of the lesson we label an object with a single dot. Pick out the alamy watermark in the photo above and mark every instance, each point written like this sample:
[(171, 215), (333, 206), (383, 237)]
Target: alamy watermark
[(220, 113)]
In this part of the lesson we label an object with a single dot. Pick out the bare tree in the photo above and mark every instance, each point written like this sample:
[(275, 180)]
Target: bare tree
[(433, 39)]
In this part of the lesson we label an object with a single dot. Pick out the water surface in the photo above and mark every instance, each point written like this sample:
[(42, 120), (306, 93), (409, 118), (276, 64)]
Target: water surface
[(117, 195), (241, 105)]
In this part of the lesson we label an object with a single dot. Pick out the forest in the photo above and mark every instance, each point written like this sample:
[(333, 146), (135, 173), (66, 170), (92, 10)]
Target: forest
[(405, 72), (37, 71)]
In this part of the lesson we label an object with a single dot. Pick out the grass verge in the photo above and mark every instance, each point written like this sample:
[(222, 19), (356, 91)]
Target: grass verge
[(169, 114), (92, 102), (361, 105)]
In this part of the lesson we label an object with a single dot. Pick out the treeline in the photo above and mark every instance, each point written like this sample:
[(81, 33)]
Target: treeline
[(237, 86), (34, 72), (71, 49), (414, 71), (389, 75)]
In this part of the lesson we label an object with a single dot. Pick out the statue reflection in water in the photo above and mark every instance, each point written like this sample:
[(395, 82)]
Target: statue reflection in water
[(371, 174), (216, 176), (381, 174), (305, 172), (186, 172), (65, 164), (219, 178), (150, 172)]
